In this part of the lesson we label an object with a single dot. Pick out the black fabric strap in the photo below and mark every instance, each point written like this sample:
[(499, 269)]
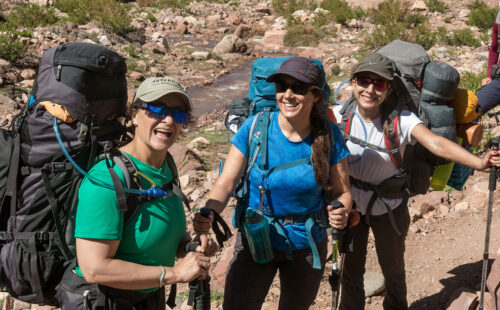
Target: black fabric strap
[(119, 190), (35, 273), (11, 186), (171, 296), (49, 191)]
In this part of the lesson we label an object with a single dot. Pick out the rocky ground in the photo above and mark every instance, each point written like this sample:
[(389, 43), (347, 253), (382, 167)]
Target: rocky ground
[(213, 40)]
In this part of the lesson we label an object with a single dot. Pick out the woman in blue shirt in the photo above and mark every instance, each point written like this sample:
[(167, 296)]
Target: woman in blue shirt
[(291, 195)]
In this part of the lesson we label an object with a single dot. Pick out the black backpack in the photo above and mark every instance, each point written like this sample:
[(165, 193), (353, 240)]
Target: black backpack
[(38, 184)]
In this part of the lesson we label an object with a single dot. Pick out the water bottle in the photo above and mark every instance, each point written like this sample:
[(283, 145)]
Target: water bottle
[(258, 236), (442, 173)]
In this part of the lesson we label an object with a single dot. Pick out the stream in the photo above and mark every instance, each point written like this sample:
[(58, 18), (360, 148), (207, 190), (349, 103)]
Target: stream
[(223, 90)]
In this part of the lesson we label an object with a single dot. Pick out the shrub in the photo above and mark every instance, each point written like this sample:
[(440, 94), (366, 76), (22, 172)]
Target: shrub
[(286, 8), (436, 6), (482, 17), (424, 36), (131, 51), (395, 21), (340, 11), (110, 14), (10, 47), (32, 15), (475, 4), (335, 71), (464, 37), (302, 35), (471, 81)]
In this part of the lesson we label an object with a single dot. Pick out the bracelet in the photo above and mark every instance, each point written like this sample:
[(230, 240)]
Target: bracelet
[(162, 275)]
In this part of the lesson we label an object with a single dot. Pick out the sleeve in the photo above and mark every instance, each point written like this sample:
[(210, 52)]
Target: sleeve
[(339, 149), (240, 139), (407, 121), (493, 53), (97, 215)]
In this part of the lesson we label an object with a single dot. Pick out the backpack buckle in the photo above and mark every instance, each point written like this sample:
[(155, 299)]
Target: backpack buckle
[(42, 235), (288, 220)]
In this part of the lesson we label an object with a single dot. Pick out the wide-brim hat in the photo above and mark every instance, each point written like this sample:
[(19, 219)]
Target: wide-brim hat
[(154, 88), (378, 64), (300, 68)]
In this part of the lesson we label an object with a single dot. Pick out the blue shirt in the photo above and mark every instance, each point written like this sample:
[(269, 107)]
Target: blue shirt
[(291, 191)]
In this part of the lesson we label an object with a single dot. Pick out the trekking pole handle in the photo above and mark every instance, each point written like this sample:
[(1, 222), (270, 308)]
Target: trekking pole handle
[(336, 205), (493, 170)]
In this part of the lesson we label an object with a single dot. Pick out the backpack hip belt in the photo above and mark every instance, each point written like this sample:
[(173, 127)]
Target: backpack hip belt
[(395, 187)]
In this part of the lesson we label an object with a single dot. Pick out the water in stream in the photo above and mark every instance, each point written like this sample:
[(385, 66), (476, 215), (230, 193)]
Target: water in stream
[(229, 87)]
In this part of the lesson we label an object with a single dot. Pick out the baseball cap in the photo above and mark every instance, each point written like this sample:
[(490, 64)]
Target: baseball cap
[(300, 68), (378, 64), (153, 88)]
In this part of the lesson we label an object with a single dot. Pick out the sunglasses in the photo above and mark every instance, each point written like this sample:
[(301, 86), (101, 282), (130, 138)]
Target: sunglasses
[(365, 82), (298, 88), (160, 111)]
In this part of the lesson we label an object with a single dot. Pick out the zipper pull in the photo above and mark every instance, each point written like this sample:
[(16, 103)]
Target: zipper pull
[(58, 75)]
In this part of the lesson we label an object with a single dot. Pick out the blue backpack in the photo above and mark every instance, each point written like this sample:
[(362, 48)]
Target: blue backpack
[(261, 103)]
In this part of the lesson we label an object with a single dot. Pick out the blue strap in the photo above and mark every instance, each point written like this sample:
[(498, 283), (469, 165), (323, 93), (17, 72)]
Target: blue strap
[(298, 162), (265, 129), (316, 261), (281, 231)]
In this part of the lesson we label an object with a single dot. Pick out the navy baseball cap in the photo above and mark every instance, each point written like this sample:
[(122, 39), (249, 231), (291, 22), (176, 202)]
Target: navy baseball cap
[(303, 69)]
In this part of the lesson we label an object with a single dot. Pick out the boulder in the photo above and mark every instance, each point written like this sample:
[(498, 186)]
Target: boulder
[(28, 74), (137, 76), (242, 31), (373, 283), (463, 300), (419, 5), (182, 28), (185, 158), (274, 39), (428, 202), (493, 282), (7, 102), (199, 55), (230, 44)]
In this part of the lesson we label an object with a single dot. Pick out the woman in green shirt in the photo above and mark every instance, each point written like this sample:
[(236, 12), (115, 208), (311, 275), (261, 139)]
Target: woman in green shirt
[(138, 256)]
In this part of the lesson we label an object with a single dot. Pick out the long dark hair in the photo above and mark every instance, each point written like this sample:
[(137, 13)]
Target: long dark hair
[(320, 148)]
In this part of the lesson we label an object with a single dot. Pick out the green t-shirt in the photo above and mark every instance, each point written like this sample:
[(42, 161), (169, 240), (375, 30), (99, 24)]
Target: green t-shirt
[(151, 237)]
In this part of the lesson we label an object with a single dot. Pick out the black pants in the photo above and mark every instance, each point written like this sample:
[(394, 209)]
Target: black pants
[(74, 293), (247, 282), (390, 250)]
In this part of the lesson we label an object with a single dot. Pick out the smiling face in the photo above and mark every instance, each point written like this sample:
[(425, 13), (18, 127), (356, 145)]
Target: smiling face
[(158, 134), (294, 106), (369, 98)]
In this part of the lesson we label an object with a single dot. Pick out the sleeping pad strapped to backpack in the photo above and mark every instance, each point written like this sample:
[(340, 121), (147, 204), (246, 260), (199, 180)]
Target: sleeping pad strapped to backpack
[(84, 86), (424, 87)]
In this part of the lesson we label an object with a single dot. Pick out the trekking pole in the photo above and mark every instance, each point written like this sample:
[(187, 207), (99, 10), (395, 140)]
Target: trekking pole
[(199, 290), (335, 277), (492, 186)]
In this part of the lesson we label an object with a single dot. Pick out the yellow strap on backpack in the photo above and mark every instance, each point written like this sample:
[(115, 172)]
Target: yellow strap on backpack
[(465, 105)]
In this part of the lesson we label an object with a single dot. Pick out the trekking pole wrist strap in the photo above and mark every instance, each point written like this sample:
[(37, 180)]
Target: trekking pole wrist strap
[(220, 235)]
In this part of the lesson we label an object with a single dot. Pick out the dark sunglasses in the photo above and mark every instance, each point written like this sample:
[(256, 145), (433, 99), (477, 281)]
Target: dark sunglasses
[(298, 88), (160, 111), (365, 82)]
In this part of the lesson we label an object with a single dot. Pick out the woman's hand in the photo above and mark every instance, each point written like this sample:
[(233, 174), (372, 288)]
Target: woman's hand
[(193, 266), (338, 217), (207, 245), (492, 157), (202, 224)]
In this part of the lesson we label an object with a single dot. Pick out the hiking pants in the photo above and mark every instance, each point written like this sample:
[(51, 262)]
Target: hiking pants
[(488, 97), (247, 282), (390, 250)]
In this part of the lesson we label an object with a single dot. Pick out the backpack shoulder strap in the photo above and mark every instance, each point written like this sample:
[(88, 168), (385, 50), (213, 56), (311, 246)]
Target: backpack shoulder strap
[(175, 184), (392, 140), (129, 204), (346, 113)]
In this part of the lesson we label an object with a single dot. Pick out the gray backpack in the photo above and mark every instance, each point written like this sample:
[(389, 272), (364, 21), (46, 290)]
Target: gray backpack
[(423, 87)]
